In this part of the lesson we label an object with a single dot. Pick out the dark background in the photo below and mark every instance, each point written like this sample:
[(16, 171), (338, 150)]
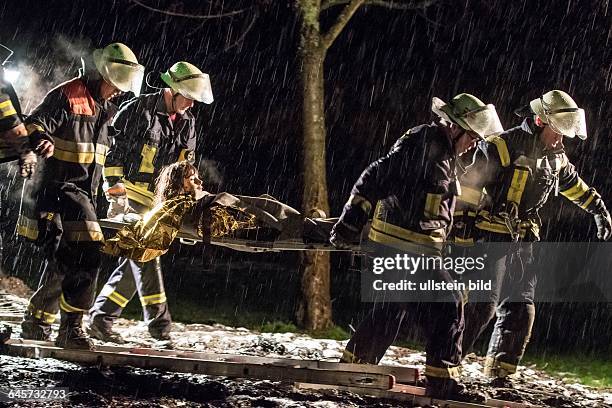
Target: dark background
[(380, 76)]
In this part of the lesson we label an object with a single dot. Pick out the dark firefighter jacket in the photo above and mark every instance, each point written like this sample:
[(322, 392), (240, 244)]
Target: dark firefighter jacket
[(413, 188), (78, 121), (146, 140), (512, 177), (10, 116)]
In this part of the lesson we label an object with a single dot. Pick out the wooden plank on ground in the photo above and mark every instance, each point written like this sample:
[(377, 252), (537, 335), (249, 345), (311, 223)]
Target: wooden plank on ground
[(415, 395), (207, 367), (392, 394), (404, 375)]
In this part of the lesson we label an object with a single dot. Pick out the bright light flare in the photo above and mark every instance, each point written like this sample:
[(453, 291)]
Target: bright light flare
[(11, 75)]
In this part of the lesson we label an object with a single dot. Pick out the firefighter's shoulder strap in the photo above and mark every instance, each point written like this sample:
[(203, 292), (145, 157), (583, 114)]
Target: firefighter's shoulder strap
[(80, 100), (502, 149)]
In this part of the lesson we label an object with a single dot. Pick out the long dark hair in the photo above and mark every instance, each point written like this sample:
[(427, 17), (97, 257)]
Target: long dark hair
[(169, 183)]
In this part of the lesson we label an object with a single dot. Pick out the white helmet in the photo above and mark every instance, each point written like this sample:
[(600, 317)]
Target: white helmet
[(470, 113), (119, 67), (558, 110), (189, 81)]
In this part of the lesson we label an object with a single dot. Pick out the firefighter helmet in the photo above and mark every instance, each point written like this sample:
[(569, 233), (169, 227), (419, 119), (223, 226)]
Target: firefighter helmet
[(186, 79), (558, 110), (470, 113), (119, 67)]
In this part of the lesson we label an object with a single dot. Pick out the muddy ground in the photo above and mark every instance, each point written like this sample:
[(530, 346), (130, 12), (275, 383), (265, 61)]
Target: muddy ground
[(126, 386)]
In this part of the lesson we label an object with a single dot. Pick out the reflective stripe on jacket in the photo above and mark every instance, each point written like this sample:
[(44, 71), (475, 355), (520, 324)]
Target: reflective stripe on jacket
[(519, 176), (145, 141), (413, 188), (78, 121), (10, 116)]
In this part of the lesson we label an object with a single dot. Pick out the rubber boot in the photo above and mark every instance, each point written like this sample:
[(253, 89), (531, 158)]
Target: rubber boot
[(34, 329), (71, 334), (106, 335), (451, 389)]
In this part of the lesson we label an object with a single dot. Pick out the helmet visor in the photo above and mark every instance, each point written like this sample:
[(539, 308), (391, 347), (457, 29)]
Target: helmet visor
[(197, 88), (483, 121), (127, 78), (568, 122)]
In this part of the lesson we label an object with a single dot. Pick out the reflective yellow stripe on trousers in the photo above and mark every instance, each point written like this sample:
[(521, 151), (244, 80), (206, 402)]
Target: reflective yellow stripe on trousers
[(69, 308), (114, 296), (495, 368), (442, 372), (41, 314), (153, 299)]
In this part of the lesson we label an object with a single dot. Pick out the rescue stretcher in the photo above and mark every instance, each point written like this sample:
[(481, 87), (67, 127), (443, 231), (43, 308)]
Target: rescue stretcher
[(246, 245)]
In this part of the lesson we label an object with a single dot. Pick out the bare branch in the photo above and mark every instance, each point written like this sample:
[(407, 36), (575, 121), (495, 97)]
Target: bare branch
[(343, 19), (390, 4), (189, 15), (245, 32)]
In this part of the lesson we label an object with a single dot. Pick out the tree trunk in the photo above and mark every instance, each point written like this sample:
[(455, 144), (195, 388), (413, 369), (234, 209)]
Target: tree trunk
[(314, 308)]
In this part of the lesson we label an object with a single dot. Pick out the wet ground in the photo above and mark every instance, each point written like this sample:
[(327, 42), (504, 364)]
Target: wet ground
[(126, 386), (123, 387)]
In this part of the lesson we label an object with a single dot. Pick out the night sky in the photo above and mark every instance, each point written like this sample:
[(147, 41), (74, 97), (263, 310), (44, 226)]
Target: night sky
[(380, 76)]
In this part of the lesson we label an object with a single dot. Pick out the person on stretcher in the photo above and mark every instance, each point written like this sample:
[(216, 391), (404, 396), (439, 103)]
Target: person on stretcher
[(181, 204)]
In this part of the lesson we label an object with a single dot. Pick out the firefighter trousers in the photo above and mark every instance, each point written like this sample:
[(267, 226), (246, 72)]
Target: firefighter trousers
[(443, 327), (129, 278), (382, 325), (68, 233), (511, 301)]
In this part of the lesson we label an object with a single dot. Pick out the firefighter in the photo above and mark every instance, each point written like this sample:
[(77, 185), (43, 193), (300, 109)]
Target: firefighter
[(153, 131), (62, 219), (513, 176), (414, 189), (15, 143)]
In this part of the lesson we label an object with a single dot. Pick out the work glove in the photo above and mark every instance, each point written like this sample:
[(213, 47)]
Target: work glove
[(604, 225), (119, 204), (344, 236), (27, 164), (44, 148)]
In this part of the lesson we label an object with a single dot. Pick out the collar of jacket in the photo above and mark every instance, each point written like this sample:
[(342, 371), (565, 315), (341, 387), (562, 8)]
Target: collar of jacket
[(93, 87), (537, 149), (445, 136), (529, 126), (160, 106), (92, 83)]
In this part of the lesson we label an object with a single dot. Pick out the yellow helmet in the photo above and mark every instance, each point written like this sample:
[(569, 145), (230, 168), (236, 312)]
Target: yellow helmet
[(558, 110), (470, 113), (189, 81), (118, 65)]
